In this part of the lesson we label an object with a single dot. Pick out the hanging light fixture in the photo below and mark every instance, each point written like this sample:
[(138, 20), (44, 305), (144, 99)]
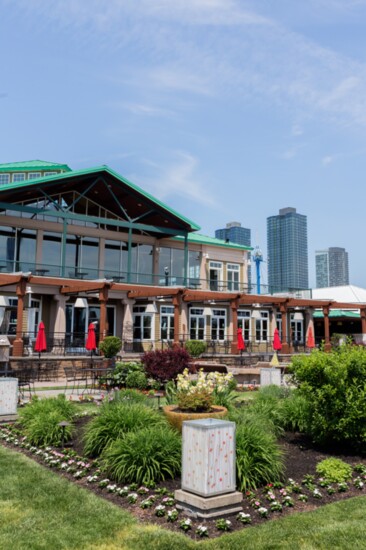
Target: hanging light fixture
[(81, 303), (256, 314), (298, 316), (207, 311), (4, 301), (151, 308)]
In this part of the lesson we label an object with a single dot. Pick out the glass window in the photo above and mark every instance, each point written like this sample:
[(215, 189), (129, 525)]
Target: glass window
[(167, 322), (218, 324), (50, 174), (296, 330), (7, 248), (18, 177), (34, 175), (51, 253), (261, 327), (215, 275), (194, 265), (115, 263), (197, 323), (233, 273), (26, 249), (142, 323), (244, 324), (279, 324), (4, 179)]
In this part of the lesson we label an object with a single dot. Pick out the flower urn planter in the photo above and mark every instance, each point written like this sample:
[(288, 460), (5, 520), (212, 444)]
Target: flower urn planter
[(176, 417)]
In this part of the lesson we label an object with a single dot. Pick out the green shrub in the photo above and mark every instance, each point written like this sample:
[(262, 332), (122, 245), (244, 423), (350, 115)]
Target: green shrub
[(195, 347), (143, 456), (122, 370), (110, 346), (115, 420), (259, 459), (296, 412), (130, 396), (40, 420), (334, 470), (136, 380), (335, 388), (266, 407)]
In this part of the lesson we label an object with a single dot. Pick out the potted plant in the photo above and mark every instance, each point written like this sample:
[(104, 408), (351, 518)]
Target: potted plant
[(110, 346), (196, 398)]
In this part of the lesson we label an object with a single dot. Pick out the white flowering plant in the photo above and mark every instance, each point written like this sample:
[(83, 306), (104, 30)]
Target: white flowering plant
[(208, 389)]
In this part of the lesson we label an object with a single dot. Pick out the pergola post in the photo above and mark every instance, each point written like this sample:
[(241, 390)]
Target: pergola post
[(18, 344), (327, 344), (234, 324), (285, 346), (177, 300), (103, 299)]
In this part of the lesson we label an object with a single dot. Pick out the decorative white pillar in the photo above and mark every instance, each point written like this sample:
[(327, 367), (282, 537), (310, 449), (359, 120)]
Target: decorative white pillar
[(208, 469)]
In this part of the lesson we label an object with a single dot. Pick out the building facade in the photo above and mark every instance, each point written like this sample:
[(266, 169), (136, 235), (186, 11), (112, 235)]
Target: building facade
[(331, 267), (287, 251), (235, 233), (88, 246)]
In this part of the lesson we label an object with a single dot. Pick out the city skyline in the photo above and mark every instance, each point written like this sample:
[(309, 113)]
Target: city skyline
[(223, 109)]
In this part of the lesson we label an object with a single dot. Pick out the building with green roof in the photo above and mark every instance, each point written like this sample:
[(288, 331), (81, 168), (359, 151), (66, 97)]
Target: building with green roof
[(28, 170)]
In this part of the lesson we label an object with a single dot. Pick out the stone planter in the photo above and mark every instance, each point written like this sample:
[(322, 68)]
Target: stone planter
[(176, 417)]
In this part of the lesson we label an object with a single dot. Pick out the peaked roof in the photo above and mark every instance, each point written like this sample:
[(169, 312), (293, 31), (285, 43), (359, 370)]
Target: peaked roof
[(205, 239), (30, 165), (104, 187)]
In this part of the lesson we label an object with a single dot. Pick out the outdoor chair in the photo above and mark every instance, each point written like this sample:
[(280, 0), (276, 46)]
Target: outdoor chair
[(76, 378), (26, 377)]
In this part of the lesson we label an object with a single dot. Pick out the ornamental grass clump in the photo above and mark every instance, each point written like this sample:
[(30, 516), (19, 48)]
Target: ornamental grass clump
[(201, 394), (41, 419), (115, 421), (149, 454)]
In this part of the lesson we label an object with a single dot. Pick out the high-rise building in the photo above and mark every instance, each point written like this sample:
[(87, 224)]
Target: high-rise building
[(287, 251), (331, 267), (235, 233)]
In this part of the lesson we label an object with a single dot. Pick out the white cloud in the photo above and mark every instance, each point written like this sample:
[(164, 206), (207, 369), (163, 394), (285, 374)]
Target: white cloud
[(327, 160), (179, 178), (297, 130)]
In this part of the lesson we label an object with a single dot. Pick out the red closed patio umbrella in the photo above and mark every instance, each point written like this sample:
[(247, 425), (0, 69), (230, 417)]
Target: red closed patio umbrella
[(40, 344), (241, 343), (310, 342), (277, 346), (91, 342)]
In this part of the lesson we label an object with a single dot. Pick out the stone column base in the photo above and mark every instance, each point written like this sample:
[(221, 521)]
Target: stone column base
[(208, 507)]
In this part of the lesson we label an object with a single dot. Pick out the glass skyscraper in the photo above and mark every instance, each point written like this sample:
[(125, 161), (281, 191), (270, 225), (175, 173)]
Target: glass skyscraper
[(287, 251), (331, 267)]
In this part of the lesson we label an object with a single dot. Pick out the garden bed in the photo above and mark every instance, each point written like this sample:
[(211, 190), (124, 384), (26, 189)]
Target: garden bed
[(301, 458)]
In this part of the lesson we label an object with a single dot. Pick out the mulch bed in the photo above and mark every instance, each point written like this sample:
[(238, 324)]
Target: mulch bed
[(301, 458)]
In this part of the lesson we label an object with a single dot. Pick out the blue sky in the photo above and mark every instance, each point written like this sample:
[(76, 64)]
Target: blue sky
[(224, 109)]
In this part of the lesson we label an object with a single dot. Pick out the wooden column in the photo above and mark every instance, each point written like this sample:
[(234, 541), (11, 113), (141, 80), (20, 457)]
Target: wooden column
[(327, 344), (18, 343), (103, 299), (363, 323), (234, 321), (285, 346), (177, 300)]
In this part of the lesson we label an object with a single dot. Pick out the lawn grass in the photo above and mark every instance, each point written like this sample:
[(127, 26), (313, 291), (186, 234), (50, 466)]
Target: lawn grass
[(40, 510)]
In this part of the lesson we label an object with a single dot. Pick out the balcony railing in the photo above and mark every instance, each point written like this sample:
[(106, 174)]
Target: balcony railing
[(162, 280)]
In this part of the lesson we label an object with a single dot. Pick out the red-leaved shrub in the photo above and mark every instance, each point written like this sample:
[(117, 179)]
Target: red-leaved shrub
[(164, 365)]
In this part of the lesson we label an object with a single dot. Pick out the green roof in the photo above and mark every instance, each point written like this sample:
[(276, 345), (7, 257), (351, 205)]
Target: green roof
[(89, 171), (30, 165), (338, 313), (205, 239)]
